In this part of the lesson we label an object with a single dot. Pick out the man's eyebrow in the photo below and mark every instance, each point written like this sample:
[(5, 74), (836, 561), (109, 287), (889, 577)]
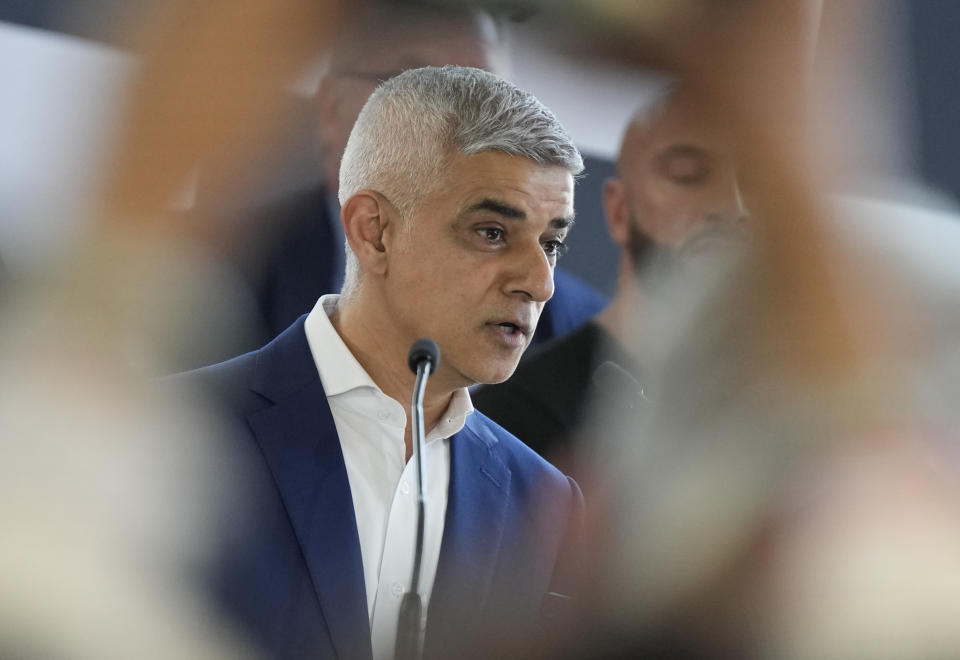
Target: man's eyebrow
[(689, 146), (498, 207), (513, 213)]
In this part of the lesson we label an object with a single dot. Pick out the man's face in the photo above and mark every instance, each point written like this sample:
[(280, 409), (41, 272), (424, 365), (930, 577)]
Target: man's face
[(473, 267), (376, 53), (680, 187)]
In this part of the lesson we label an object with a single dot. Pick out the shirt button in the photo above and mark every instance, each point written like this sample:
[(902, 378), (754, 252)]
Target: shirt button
[(396, 589), (383, 415), (404, 488)]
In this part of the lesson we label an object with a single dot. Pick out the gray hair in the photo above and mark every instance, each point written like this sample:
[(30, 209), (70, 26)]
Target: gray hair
[(415, 121)]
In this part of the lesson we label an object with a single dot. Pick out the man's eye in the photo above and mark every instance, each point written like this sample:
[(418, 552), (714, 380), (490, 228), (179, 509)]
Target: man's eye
[(685, 164), (492, 234), (687, 169), (555, 248)]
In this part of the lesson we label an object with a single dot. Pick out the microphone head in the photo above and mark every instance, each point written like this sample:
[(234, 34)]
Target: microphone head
[(424, 349)]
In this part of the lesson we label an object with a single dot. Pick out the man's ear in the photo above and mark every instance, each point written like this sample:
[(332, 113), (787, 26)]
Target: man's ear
[(366, 215), (615, 209)]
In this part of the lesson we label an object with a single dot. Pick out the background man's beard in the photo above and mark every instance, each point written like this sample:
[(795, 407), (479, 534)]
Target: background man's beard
[(654, 263), (645, 253)]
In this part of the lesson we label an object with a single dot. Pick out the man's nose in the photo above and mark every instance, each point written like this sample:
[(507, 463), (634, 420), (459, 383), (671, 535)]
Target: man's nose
[(727, 205), (531, 274)]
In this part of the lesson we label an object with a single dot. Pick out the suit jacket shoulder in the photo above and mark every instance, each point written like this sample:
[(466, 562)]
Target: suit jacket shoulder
[(517, 456)]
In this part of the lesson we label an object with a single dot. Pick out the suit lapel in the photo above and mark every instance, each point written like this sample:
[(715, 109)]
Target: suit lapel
[(477, 509), (299, 441)]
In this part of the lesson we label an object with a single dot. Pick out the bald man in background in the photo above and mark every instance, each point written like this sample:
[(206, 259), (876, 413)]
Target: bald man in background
[(674, 202)]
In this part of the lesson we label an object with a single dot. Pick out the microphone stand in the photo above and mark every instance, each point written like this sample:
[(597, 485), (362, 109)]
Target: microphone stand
[(423, 359)]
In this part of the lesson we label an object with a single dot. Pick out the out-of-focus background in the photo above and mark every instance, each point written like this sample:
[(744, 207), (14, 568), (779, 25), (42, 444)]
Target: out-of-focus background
[(65, 72), (63, 69)]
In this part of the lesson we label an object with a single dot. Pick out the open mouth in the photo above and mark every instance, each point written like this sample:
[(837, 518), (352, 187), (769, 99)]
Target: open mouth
[(515, 335)]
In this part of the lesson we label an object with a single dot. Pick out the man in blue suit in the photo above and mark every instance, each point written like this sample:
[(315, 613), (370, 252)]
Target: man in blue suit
[(456, 190)]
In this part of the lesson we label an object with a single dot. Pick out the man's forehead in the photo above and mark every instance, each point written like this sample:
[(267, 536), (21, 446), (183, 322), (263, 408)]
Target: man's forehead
[(646, 141), (490, 178)]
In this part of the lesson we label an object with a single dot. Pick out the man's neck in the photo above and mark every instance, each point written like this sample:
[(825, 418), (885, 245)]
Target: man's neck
[(371, 340)]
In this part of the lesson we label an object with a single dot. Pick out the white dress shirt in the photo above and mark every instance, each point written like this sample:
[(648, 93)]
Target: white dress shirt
[(383, 485)]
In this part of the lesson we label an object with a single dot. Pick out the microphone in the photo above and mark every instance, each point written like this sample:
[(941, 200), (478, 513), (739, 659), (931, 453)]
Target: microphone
[(424, 350), (423, 359)]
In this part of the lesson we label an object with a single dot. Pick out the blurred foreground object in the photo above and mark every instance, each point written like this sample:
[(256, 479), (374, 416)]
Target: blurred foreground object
[(793, 491), (112, 497), (757, 516), (111, 502)]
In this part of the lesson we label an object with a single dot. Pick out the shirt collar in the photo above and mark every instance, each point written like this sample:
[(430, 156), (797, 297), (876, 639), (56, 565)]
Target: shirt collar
[(454, 417), (340, 372), (338, 368)]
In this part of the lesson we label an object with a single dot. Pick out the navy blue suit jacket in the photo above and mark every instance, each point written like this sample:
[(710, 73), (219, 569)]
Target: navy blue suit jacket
[(293, 577)]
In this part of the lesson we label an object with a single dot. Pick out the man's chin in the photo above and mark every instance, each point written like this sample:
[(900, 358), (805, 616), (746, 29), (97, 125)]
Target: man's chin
[(494, 376)]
